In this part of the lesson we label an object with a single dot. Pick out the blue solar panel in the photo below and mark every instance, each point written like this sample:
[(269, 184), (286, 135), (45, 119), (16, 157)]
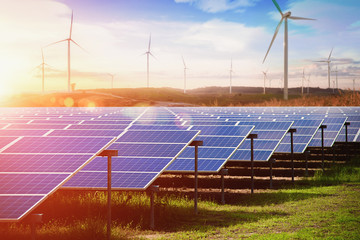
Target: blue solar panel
[(146, 150), (14, 207), (158, 127), (259, 155), (82, 145), (22, 132), (150, 136), (331, 132), (208, 153), (90, 133), (98, 126), (41, 162), (120, 180), (143, 155), (186, 165), (5, 141), (36, 126), (223, 130), (30, 183), (139, 164)]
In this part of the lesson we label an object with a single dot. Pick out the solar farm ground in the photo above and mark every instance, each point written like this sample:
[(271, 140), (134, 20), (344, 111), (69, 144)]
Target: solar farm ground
[(323, 206)]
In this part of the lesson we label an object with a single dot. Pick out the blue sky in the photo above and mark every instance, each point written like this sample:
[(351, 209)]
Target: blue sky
[(208, 33)]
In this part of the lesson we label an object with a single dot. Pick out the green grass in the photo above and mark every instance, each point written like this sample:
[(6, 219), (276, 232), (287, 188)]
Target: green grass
[(324, 207)]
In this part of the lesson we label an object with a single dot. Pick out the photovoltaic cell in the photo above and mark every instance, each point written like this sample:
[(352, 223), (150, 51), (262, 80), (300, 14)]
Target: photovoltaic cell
[(22, 132), (28, 163), (29, 183), (90, 133), (143, 155), (14, 207), (120, 180), (220, 143)]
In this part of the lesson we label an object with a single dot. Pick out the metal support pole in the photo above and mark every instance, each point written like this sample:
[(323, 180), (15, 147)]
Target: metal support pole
[(252, 136), (196, 144), (153, 189), (109, 154), (108, 229), (346, 139), (272, 160), (307, 153), (322, 146), (291, 131), (223, 172), (35, 219)]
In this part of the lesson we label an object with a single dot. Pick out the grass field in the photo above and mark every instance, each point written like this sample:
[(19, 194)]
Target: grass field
[(326, 206), (175, 97)]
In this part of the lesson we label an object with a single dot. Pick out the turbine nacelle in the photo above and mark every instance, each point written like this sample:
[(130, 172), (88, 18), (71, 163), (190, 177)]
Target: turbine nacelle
[(288, 14)]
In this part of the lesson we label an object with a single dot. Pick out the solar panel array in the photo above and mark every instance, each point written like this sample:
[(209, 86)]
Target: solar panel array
[(41, 149)]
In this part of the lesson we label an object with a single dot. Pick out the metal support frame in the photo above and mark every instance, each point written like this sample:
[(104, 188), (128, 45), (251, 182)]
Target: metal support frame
[(307, 153), (252, 136), (292, 131), (223, 172), (153, 190), (34, 219), (109, 154), (196, 144), (271, 162), (346, 138), (322, 147)]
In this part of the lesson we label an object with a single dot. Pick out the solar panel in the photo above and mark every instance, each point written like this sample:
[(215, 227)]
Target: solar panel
[(86, 132), (220, 143), (269, 136), (334, 126), (143, 156)]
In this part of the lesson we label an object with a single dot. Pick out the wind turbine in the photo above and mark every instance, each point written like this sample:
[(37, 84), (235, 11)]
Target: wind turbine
[(308, 83), (354, 85), (231, 72), (285, 17), (336, 81), (302, 82), (147, 53), (112, 79), (328, 61), (265, 78), (185, 68), (68, 40)]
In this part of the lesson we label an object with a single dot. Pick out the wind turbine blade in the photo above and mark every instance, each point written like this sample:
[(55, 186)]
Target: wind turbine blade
[(72, 17), (183, 62), (278, 7), (321, 61), (152, 55), (300, 18), (42, 55), (79, 46), (330, 54), (149, 43), (275, 34), (56, 42)]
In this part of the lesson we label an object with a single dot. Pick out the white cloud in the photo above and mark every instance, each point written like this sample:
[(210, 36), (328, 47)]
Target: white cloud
[(214, 6)]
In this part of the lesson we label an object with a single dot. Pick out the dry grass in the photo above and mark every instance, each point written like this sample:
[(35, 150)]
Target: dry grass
[(342, 99)]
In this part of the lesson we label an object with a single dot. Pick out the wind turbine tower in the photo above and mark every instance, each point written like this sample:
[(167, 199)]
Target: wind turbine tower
[(328, 61), (148, 53), (265, 78), (308, 84), (302, 83), (68, 40), (284, 17), (185, 68), (112, 79), (336, 80), (231, 72)]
